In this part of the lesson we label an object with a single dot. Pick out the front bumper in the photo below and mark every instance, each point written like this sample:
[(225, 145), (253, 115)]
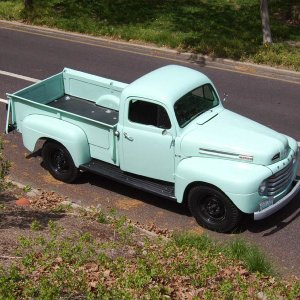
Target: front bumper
[(279, 204)]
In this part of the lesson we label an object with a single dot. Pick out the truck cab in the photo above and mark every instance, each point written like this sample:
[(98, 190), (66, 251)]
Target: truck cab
[(153, 123)]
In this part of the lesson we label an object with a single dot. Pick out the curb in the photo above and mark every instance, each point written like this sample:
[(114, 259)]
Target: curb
[(32, 193), (35, 192), (167, 53), (245, 67)]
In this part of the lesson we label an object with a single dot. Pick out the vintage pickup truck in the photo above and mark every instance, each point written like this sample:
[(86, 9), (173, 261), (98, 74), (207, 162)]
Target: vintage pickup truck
[(166, 133)]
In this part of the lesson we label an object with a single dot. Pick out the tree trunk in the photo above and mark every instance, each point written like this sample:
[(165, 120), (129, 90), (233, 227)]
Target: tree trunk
[(264, 12), (27, 4)]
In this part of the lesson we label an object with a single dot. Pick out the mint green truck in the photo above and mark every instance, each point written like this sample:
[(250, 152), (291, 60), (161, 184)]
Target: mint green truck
[(166, 133)]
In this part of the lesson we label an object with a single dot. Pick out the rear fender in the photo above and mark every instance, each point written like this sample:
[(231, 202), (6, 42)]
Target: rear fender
[(35, 127)]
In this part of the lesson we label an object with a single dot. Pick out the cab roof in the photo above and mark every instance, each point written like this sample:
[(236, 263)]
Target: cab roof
[(166, 84)]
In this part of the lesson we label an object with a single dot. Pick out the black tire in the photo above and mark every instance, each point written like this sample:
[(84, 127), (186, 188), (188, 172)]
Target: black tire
[(59, 162), (212, 209)]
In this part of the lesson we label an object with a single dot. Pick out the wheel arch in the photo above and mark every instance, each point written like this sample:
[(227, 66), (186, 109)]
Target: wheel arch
[(39, 127), (197, 183)]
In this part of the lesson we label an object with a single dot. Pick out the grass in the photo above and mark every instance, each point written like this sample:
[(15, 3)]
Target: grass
[(27, 188), (35, 225), (219, 28), (126, 267), (251, 256)]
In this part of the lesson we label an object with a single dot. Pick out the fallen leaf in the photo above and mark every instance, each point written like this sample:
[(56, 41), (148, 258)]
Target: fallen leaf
[(106, 273)]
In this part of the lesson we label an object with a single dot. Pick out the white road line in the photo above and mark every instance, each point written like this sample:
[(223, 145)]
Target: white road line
[(3, 101), (18, 76)]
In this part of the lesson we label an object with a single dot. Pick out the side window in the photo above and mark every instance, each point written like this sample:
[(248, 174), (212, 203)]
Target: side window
[(205, 92), (198, 92), (148, 113)]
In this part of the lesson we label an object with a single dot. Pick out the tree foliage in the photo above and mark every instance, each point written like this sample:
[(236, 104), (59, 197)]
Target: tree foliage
[(218, 28)]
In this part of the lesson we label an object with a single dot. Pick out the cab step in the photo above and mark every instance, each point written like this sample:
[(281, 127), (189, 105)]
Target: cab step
[(156, 187)]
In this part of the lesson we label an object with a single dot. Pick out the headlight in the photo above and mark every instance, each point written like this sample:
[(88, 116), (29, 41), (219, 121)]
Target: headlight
[(263, 188)]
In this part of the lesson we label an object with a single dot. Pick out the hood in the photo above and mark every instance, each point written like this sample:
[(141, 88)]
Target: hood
[(231, 136)]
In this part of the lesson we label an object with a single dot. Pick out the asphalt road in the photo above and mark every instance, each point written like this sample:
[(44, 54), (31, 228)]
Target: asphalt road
[(275, 103)]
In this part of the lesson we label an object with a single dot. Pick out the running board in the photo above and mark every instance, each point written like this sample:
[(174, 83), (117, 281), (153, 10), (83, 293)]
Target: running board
[(156, 187)]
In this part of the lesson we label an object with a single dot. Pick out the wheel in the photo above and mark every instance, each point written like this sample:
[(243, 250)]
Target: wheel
[(212, 209), (59, 162)]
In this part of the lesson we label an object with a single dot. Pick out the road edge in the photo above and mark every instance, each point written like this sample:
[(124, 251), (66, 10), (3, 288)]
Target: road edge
[(167, 53)]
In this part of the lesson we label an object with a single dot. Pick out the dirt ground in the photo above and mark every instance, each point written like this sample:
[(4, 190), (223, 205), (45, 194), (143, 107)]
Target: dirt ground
[(40, 207), (29, 214), (21, 208)]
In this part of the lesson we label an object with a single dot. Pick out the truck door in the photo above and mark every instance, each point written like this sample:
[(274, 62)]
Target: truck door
[(147, 139)]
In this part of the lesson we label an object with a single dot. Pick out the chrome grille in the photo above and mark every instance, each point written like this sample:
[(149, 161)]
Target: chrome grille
[(280, 181)]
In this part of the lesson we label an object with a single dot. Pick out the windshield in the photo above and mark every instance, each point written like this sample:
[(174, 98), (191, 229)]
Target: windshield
[(194, 103)]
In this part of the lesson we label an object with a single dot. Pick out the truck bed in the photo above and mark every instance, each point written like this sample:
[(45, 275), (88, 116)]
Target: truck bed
[(86, 109), (86, 101)]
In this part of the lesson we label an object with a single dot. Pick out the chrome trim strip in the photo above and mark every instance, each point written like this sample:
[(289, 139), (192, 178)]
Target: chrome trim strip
[(223, 153), (218, 152)]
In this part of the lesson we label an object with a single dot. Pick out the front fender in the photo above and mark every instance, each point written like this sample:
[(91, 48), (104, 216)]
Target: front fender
[(35, 127), (238, 180)]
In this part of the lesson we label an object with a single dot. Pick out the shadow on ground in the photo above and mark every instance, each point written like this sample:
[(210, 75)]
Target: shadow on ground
[(23, 219)]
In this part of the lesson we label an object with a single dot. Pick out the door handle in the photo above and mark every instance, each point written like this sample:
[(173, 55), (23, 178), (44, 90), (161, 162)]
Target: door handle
[(128, 137)]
